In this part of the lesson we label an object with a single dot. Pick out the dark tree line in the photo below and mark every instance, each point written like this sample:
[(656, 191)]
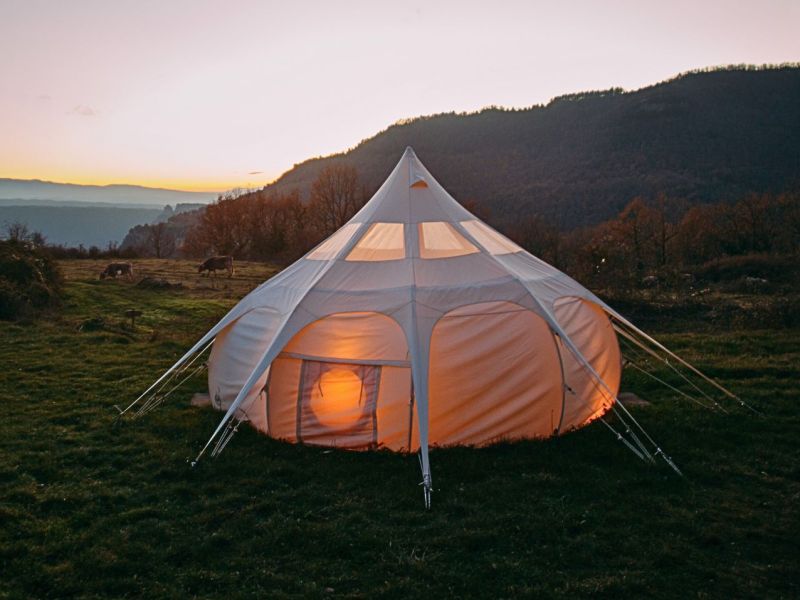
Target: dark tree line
[(665, 238), (662, 237)]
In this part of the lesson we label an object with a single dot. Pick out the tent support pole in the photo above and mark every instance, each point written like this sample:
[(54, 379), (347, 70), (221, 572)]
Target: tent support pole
[(171, 373), (564, 386), (672, 387), (632, 340), (616, 403), (157, 400), (622, 439), (622, 320), (411, 415)]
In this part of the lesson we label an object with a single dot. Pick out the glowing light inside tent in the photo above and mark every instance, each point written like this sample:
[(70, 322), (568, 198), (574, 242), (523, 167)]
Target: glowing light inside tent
[(438, 239), (336, 399), (383, 241)]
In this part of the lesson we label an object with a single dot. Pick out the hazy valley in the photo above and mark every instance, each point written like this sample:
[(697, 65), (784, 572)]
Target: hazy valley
[(72, 215)]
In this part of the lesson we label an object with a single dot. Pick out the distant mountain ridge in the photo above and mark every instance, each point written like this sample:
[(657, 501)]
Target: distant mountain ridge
[(79, 225), (703, 136), (24, 190), (89, 215)]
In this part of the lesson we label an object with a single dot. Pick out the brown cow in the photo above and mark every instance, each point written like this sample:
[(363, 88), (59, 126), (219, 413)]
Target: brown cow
[(217, 263), (118, 269)]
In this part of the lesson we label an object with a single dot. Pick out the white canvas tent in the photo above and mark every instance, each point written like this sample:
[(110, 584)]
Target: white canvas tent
[(417, 325)]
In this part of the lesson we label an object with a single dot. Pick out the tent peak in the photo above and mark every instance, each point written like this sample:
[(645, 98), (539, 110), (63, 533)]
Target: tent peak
[(393, 203)]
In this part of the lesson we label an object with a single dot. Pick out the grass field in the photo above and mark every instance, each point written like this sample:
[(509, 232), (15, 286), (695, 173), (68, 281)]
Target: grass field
[(89, 510)]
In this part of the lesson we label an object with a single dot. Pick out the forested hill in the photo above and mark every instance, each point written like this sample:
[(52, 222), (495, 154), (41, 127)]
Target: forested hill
[(704, 136)]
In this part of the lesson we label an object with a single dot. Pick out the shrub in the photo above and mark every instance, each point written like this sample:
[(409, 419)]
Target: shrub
[(30, 280), (775, 269)]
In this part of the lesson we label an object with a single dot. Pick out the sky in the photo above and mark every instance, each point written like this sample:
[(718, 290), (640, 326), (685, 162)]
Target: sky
[(214, 95)]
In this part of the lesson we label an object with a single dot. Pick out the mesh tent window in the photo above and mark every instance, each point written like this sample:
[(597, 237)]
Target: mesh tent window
[(382, 241), (438, 239)]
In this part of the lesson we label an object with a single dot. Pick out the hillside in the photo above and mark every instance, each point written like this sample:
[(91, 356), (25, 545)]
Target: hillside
[(705, 136)]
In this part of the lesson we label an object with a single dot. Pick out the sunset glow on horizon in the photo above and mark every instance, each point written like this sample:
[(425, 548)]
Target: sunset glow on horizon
[(209, 96), (196, 184)]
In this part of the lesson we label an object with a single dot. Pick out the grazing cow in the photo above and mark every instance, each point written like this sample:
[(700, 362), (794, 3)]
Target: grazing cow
[(118, 269), (217, 263)]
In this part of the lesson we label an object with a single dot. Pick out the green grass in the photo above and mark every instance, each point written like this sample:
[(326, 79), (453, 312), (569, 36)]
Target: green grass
[(90, 510)]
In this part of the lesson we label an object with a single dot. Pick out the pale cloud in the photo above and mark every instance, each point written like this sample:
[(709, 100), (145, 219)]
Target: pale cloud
[(255, 172), (83, 111)]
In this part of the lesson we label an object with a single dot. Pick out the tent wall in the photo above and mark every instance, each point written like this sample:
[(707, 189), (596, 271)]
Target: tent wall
[(235, 353), (493, 375), (591, 331), (397, 418)]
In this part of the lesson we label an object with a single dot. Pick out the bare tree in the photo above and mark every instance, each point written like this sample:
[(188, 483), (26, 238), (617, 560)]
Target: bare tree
[(161, 240), (666, 230), (38, 239), (336, 195), (701, 235), (751, 214), (17, 231)]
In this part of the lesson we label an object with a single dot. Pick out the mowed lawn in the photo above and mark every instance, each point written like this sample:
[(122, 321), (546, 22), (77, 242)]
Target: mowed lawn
[(91, 510)]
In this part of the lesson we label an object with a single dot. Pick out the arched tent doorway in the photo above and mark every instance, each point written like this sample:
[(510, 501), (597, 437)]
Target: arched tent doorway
[(343, 381)]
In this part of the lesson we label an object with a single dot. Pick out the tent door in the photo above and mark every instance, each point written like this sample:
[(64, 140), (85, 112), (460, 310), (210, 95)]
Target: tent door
[(337, 404)]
